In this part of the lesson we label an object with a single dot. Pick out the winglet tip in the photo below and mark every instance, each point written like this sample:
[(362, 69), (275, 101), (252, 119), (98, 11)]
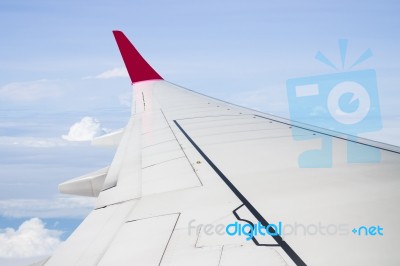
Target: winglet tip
[(137, 66), (116, 32)]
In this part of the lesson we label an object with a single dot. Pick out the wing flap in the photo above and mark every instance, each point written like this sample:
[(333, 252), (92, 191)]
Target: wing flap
[(141, 242), (92, 238), (88, 185), (109, 140)]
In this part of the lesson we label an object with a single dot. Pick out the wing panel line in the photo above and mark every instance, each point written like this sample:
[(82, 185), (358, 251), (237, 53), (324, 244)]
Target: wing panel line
[(334, 134), (285, 246), (194, 170)]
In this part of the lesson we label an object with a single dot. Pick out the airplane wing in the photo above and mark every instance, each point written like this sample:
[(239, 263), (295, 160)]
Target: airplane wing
[(199, 181)]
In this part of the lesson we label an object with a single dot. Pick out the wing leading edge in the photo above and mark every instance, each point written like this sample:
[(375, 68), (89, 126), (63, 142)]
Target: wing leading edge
[(188, 161)]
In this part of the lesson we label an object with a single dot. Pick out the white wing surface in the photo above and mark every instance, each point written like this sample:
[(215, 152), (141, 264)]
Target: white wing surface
[(188, 165)]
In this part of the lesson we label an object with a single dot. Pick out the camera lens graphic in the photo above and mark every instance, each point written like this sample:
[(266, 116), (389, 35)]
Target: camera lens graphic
[(348, 103)]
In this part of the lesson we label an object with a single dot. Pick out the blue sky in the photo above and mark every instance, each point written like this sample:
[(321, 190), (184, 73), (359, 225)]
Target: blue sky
[(59, 63)]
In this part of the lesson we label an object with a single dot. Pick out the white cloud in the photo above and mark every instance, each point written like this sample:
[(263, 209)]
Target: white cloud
[(63, 206), (30, 91), (85, 130), (31, 239), (117, 72)]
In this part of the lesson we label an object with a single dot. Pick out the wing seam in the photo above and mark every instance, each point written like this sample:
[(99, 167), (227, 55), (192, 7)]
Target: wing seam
[(285, 246)]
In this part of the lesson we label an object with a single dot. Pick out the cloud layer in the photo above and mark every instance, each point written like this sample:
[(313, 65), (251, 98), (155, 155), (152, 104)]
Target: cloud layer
[(31, 239), (30, 91), (117, 72), (34, 142), (47, 208), (85, 130)]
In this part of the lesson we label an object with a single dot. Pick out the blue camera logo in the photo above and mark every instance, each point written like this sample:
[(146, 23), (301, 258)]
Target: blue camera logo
[(346, 102)]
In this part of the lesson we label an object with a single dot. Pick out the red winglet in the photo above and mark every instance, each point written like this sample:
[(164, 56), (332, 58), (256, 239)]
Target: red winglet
[(138, 68)]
